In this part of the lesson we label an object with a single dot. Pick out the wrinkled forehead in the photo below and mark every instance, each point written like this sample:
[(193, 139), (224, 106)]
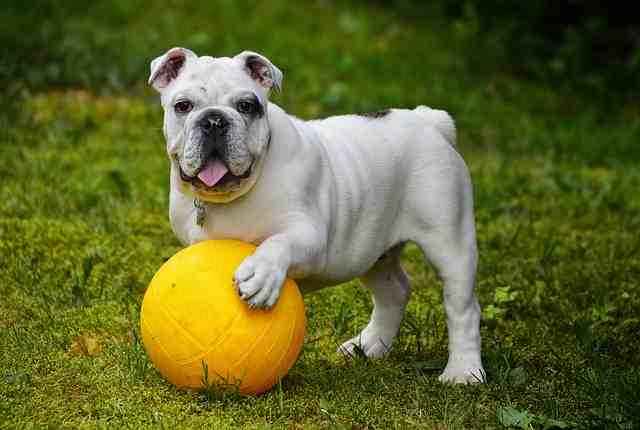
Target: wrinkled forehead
[(212, 78)]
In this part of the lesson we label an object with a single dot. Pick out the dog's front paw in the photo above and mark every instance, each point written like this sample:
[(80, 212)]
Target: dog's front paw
[(371, 343), (461, 372), (259, 281)]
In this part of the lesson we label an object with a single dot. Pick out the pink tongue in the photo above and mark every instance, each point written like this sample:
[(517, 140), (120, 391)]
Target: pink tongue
[(213, 171)]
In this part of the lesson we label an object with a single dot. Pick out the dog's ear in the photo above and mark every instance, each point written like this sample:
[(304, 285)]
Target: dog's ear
[(167, 67), (261, 70)]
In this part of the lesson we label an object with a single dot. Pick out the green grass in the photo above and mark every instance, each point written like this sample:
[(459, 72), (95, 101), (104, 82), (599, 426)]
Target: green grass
[(84, 225)]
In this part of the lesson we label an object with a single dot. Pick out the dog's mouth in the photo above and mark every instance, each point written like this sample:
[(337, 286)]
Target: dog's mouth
[(214, 174)]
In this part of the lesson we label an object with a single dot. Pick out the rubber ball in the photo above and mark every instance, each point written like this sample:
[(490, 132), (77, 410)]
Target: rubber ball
[(198, 332)]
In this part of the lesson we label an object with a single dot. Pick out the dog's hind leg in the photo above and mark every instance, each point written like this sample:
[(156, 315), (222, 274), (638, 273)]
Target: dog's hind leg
[(452, 251), (390, 289)]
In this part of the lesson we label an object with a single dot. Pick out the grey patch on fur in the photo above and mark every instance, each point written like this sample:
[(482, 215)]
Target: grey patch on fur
[(376, 114), (383, 256)]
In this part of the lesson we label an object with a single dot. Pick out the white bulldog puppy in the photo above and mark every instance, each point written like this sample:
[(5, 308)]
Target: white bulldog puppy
[(326, 201)]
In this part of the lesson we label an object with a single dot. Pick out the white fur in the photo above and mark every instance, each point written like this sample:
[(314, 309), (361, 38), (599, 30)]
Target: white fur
[(336, 199)]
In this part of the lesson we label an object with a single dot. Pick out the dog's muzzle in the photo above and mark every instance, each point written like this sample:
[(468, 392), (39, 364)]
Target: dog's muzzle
[(205, 159)]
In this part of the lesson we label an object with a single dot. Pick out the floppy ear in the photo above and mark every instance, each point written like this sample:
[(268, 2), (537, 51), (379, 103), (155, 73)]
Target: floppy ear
[(261, 70), (167, 67)]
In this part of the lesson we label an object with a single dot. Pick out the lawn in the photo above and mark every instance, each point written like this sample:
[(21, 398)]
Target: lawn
[(84, 224)]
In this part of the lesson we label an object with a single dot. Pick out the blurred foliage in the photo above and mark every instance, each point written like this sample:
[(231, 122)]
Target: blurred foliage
[(580, 43), (48, 44), (586, 44)]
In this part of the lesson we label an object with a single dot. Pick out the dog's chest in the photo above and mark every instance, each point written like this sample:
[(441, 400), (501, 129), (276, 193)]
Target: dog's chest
[(193, 221)]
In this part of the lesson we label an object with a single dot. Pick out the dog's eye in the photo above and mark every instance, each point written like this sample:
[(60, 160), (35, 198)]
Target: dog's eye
[(245, 106), (183, 106)]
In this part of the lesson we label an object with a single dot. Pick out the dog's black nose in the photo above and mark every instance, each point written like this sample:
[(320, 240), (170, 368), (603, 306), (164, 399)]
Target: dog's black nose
[(213, 122)]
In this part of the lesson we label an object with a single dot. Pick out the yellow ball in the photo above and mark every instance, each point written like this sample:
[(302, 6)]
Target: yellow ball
[(191, 313)]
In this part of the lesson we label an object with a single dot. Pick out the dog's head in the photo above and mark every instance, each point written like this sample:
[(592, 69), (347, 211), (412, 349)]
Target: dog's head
[(215, 119)]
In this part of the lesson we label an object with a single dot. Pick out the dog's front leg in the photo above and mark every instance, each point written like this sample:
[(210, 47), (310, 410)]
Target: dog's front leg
[(294, 252)]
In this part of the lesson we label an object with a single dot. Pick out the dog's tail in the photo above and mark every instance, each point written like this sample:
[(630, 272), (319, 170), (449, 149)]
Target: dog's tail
[(441, 120)]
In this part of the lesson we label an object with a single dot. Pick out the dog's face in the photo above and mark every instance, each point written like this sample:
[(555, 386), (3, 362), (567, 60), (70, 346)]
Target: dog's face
[(215, 119)]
